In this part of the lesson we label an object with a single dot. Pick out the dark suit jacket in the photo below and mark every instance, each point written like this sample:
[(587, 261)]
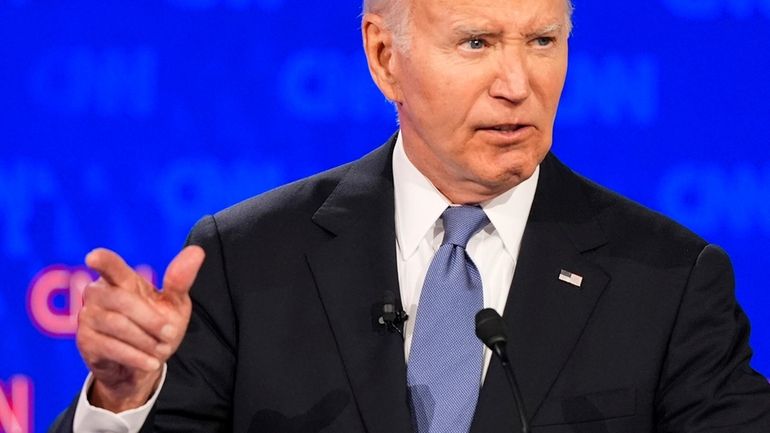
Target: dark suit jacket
[(284, 338)]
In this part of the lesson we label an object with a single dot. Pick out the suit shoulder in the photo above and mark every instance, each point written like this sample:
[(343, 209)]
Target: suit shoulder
[(287, 212), (292, 204), (634, 225)]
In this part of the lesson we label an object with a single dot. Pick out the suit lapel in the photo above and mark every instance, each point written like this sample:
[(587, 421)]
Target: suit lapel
[(352, 271), (544, 315)]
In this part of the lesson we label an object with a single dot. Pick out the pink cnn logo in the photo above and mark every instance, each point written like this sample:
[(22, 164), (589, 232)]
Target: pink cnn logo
[(16, 405), (56, 296)]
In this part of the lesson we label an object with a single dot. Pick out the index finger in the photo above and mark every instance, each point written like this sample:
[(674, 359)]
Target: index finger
[(111, 267)]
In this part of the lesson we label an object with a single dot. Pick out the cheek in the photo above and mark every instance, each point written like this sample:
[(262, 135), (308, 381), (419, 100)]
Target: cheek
[(441, 88), (447, 91), (551, 86), (442, 107)]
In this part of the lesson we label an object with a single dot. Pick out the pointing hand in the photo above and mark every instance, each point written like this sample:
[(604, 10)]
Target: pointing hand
[(127, 328)]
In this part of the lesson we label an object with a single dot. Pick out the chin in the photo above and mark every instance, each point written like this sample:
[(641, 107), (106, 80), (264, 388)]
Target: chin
[(527, 171), (498, 183), (516, 169)]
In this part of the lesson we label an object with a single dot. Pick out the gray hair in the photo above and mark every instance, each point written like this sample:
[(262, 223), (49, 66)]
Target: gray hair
[(397, 14)]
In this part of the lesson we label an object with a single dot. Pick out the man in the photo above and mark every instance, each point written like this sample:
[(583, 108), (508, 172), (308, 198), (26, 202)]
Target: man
[(619, 320)]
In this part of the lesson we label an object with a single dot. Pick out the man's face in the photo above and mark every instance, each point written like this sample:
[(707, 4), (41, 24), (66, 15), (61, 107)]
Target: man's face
[(477, 91)]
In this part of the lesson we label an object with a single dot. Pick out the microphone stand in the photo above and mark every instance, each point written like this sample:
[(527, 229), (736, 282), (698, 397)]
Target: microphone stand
[(490, 329)]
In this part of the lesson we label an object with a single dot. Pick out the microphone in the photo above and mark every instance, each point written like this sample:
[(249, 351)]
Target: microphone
[(392, 317), (490, 329)]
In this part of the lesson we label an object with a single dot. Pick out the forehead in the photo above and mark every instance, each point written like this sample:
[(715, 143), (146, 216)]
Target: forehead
[(506, 14)]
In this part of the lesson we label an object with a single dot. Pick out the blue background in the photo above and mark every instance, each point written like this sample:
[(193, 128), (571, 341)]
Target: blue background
[(123, 122)]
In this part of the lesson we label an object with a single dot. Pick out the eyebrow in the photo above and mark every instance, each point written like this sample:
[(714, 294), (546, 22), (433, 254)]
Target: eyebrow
[(549, 29), (466, 30), (463, 30)]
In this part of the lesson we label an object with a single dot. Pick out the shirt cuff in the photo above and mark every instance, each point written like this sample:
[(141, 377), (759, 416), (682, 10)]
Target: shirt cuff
[(92, 419)]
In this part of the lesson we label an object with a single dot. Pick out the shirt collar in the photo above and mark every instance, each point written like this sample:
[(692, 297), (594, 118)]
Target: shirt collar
[(419, 205)]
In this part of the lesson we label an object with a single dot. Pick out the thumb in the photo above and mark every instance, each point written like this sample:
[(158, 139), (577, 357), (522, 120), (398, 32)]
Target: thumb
[(181, 272)]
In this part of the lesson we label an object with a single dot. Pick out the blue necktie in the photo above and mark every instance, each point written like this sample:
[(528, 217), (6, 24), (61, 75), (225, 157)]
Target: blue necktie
[(445, 360)]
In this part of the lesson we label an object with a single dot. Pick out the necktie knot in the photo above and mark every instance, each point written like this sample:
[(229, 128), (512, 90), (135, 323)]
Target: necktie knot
[(462, 222)]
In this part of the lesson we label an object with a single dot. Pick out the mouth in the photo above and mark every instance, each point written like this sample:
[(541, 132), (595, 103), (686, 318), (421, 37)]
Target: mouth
[(505, 127), (509, 131)]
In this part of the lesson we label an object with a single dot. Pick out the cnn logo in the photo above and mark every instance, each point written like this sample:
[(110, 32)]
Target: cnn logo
[(16, 405), (55, 297)]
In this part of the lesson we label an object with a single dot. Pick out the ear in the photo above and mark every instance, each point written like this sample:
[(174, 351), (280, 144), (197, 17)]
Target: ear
[(380, 54)]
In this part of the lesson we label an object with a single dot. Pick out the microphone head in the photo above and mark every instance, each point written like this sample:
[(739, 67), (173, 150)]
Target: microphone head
[(389, 306), (490, 328)]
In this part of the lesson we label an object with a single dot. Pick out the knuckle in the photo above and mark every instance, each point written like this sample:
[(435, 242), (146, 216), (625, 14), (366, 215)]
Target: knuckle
[(86, 316), (97, 294), (123, 300), (90, 292), (157, 322), (124, 329), (115, 323), (148, 316)]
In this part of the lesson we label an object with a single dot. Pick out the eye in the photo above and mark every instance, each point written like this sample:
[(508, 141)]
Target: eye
[(544, 41), (476, 43)]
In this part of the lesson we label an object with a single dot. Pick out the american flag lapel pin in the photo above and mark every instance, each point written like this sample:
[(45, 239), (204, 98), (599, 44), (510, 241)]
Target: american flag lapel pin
[(569, 277)]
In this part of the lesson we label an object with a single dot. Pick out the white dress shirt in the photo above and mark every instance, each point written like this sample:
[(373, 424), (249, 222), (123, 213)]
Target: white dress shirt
[(91, 419), (419, 232)]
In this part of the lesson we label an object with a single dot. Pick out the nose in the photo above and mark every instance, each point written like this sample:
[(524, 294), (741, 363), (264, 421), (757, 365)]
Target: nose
[(512, 82)]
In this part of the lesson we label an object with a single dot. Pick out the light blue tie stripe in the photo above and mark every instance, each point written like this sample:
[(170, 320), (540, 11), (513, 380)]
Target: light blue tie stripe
[(445, 360)]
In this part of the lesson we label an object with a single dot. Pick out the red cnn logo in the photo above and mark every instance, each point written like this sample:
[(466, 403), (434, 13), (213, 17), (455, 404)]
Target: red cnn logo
[(56, 296), (16, 405)]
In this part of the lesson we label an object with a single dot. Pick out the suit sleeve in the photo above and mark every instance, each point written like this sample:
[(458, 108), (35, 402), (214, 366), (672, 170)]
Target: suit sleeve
[(707, 384), (196, 395), (198, 390), (63, 422)]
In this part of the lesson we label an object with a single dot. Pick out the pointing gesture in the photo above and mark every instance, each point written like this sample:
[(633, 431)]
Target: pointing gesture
[(127, 329)]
